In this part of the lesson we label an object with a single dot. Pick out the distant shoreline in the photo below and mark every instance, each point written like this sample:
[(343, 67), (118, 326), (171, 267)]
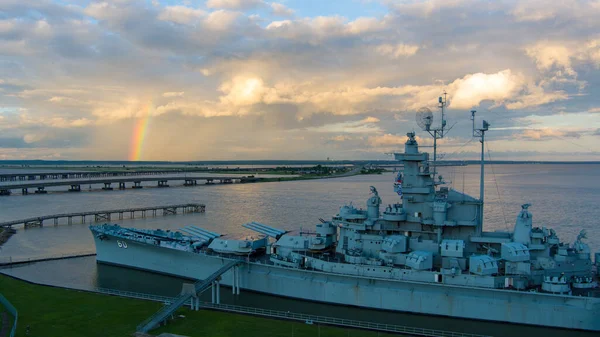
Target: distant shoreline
[(61, 164)]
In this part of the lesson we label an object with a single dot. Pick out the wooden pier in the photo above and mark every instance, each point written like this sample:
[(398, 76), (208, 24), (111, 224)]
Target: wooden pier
[(101, 216)]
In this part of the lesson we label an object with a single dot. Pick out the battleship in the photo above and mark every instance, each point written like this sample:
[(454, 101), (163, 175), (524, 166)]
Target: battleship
[(426, 253)]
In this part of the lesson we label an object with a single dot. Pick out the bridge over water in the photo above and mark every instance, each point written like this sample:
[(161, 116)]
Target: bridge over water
[(83, 174), (75, 185)]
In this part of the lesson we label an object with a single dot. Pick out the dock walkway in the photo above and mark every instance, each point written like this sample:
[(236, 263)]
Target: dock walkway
[(106, 215)]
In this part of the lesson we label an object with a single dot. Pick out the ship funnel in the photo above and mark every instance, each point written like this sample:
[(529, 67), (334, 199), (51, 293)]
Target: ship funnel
[(264, 229)]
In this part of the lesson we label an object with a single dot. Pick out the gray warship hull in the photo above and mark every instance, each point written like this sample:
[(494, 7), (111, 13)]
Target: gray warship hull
[(563, 311)]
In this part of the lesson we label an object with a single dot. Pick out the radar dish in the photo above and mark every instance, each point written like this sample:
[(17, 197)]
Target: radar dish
[(424, 118)]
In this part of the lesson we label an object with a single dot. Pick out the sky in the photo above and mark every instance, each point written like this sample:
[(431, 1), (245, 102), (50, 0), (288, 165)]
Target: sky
[(296, 79)]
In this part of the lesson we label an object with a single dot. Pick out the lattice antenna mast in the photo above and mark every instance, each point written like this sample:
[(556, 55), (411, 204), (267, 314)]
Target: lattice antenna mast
[(425, 120), (480, 133)]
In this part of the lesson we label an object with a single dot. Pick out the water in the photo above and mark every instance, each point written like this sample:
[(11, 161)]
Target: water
[(563, 197)]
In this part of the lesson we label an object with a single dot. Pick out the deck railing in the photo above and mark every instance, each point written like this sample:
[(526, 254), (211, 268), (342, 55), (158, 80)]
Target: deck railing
[(13, 311)]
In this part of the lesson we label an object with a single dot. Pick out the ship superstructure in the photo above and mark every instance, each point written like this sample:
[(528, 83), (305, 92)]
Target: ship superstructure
[(427, 254)]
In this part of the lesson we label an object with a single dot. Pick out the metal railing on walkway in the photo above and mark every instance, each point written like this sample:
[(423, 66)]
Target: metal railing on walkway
[(170, 302), (10, 260), (13, 311), (311, 319), (140, 296)]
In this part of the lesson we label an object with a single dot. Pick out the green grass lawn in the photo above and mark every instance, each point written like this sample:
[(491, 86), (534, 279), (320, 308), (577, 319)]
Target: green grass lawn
[(59, 312)]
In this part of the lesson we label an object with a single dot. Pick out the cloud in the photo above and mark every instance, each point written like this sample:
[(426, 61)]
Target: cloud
[(387, 140), (235, 4), (561, 55), (318, 30), (424, 9), (363, 126), (547, 55), (545, 133), (539, 10), (281, 10), (181, 14), (242, 91), (227, 79), (173, 94), (222, 20), (341, 138), (470, 90), (397, 51)]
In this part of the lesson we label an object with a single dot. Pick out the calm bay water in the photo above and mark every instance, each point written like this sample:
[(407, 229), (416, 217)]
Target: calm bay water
[(563, 197)]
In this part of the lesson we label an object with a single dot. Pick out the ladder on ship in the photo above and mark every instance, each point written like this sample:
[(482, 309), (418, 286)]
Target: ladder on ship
[(168, 310)]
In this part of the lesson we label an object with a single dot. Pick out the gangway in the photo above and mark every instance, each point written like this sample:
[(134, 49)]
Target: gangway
[(199, 287)]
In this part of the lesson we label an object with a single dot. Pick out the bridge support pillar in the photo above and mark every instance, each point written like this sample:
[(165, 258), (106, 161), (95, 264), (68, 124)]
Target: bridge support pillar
[(35, 223), (162, 183), (107, 187), (121, 186), (190, 182), (233, 283), (213, 290), (137, 184), (219, 292), (24, 191), (75, 188), (41, 190)]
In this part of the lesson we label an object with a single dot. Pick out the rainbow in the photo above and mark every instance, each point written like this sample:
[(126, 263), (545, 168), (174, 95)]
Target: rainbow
[(140, 129)]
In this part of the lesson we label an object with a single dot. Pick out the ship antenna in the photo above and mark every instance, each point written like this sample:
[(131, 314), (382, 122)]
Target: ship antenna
[(480, 133), (425, 119)]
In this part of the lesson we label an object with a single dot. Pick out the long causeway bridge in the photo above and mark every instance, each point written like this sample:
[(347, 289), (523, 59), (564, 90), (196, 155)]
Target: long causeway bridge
[(83, 174), (75, 185), (99, 216)]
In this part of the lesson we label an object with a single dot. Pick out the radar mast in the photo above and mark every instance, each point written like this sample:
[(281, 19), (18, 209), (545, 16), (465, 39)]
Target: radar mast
[(425, 120), (480, 133)]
